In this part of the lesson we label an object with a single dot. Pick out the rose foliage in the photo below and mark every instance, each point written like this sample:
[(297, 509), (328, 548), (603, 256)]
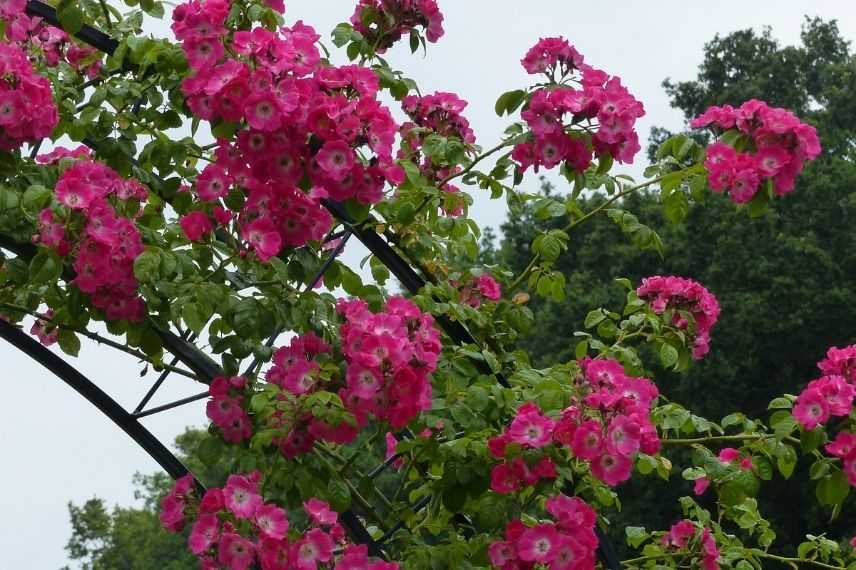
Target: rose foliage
[(223, 170)]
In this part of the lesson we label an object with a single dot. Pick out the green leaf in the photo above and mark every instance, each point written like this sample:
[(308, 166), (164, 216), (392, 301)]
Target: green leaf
[(68, 342), (209, 450), (811, 440), (454, 498), (45, 267), (668, 355), (36, 197), (593, 318), (786, 461), (70, 17), (193, 317), (636, 535), (781, 404), (147, 266), (509, 102), (151, 342), (832, 489), (338, 495), (676, 207)]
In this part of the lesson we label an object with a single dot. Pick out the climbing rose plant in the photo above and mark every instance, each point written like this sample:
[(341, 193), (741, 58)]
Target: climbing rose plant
[(357, 423)]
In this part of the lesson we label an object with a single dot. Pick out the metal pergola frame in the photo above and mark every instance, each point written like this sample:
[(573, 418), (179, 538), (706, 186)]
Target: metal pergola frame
[(206, 369)]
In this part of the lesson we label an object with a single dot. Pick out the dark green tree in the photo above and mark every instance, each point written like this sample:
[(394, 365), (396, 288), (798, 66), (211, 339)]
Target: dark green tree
[(131, 538), (786, 281)]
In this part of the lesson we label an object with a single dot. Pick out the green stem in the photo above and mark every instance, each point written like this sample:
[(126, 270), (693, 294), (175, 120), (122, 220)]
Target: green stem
[(536, 258), (794, 561), (715, 439), (106, 12), (464, 171), (633, 561)]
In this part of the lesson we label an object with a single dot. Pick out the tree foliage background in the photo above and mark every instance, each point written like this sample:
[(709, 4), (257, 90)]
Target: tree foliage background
[(786, 284)]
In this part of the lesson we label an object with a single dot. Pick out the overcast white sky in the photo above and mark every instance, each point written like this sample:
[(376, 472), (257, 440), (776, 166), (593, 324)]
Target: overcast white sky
[(56, 447)]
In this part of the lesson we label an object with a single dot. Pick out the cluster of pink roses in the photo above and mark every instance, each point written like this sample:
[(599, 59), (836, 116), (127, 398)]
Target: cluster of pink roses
[(833, 393), (54, 44), (685, 535), (601, 98), (440, 114), (303, 120), (235, 528), (683, 295), (567, 544), (391, 19), (105, 251), (18, 24), (296, 370), (390, 357), (482, 288), (57, 46), (823, 398), (780, 145), (27, 109), (225, 408), (60, 152), (530, 429), (607, 424), (610, 421)]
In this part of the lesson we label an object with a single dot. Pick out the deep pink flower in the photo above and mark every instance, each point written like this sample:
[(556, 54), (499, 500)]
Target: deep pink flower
[(319, 511), (241, 497), (612, 469), (336, 158), (588, 440), (196, 225), (316, 546), (274, 554), (701, 485), (538, 544), (264, 238), (488, 287), (204, 533), (811, 409), (235, 551), (504, 478), (680, 534), (271, 521), (531, 428)]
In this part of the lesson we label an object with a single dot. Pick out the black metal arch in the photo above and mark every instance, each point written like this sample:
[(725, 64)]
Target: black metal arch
[(96, 396), (203, 365)]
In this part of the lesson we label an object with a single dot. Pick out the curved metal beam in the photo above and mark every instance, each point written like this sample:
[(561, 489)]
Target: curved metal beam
[(97, 397)]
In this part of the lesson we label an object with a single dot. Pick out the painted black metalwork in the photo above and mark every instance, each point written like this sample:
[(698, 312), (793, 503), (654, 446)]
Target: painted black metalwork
[(171, 405), (380, 248), (92, 36), (96, 396), (159, 382)]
